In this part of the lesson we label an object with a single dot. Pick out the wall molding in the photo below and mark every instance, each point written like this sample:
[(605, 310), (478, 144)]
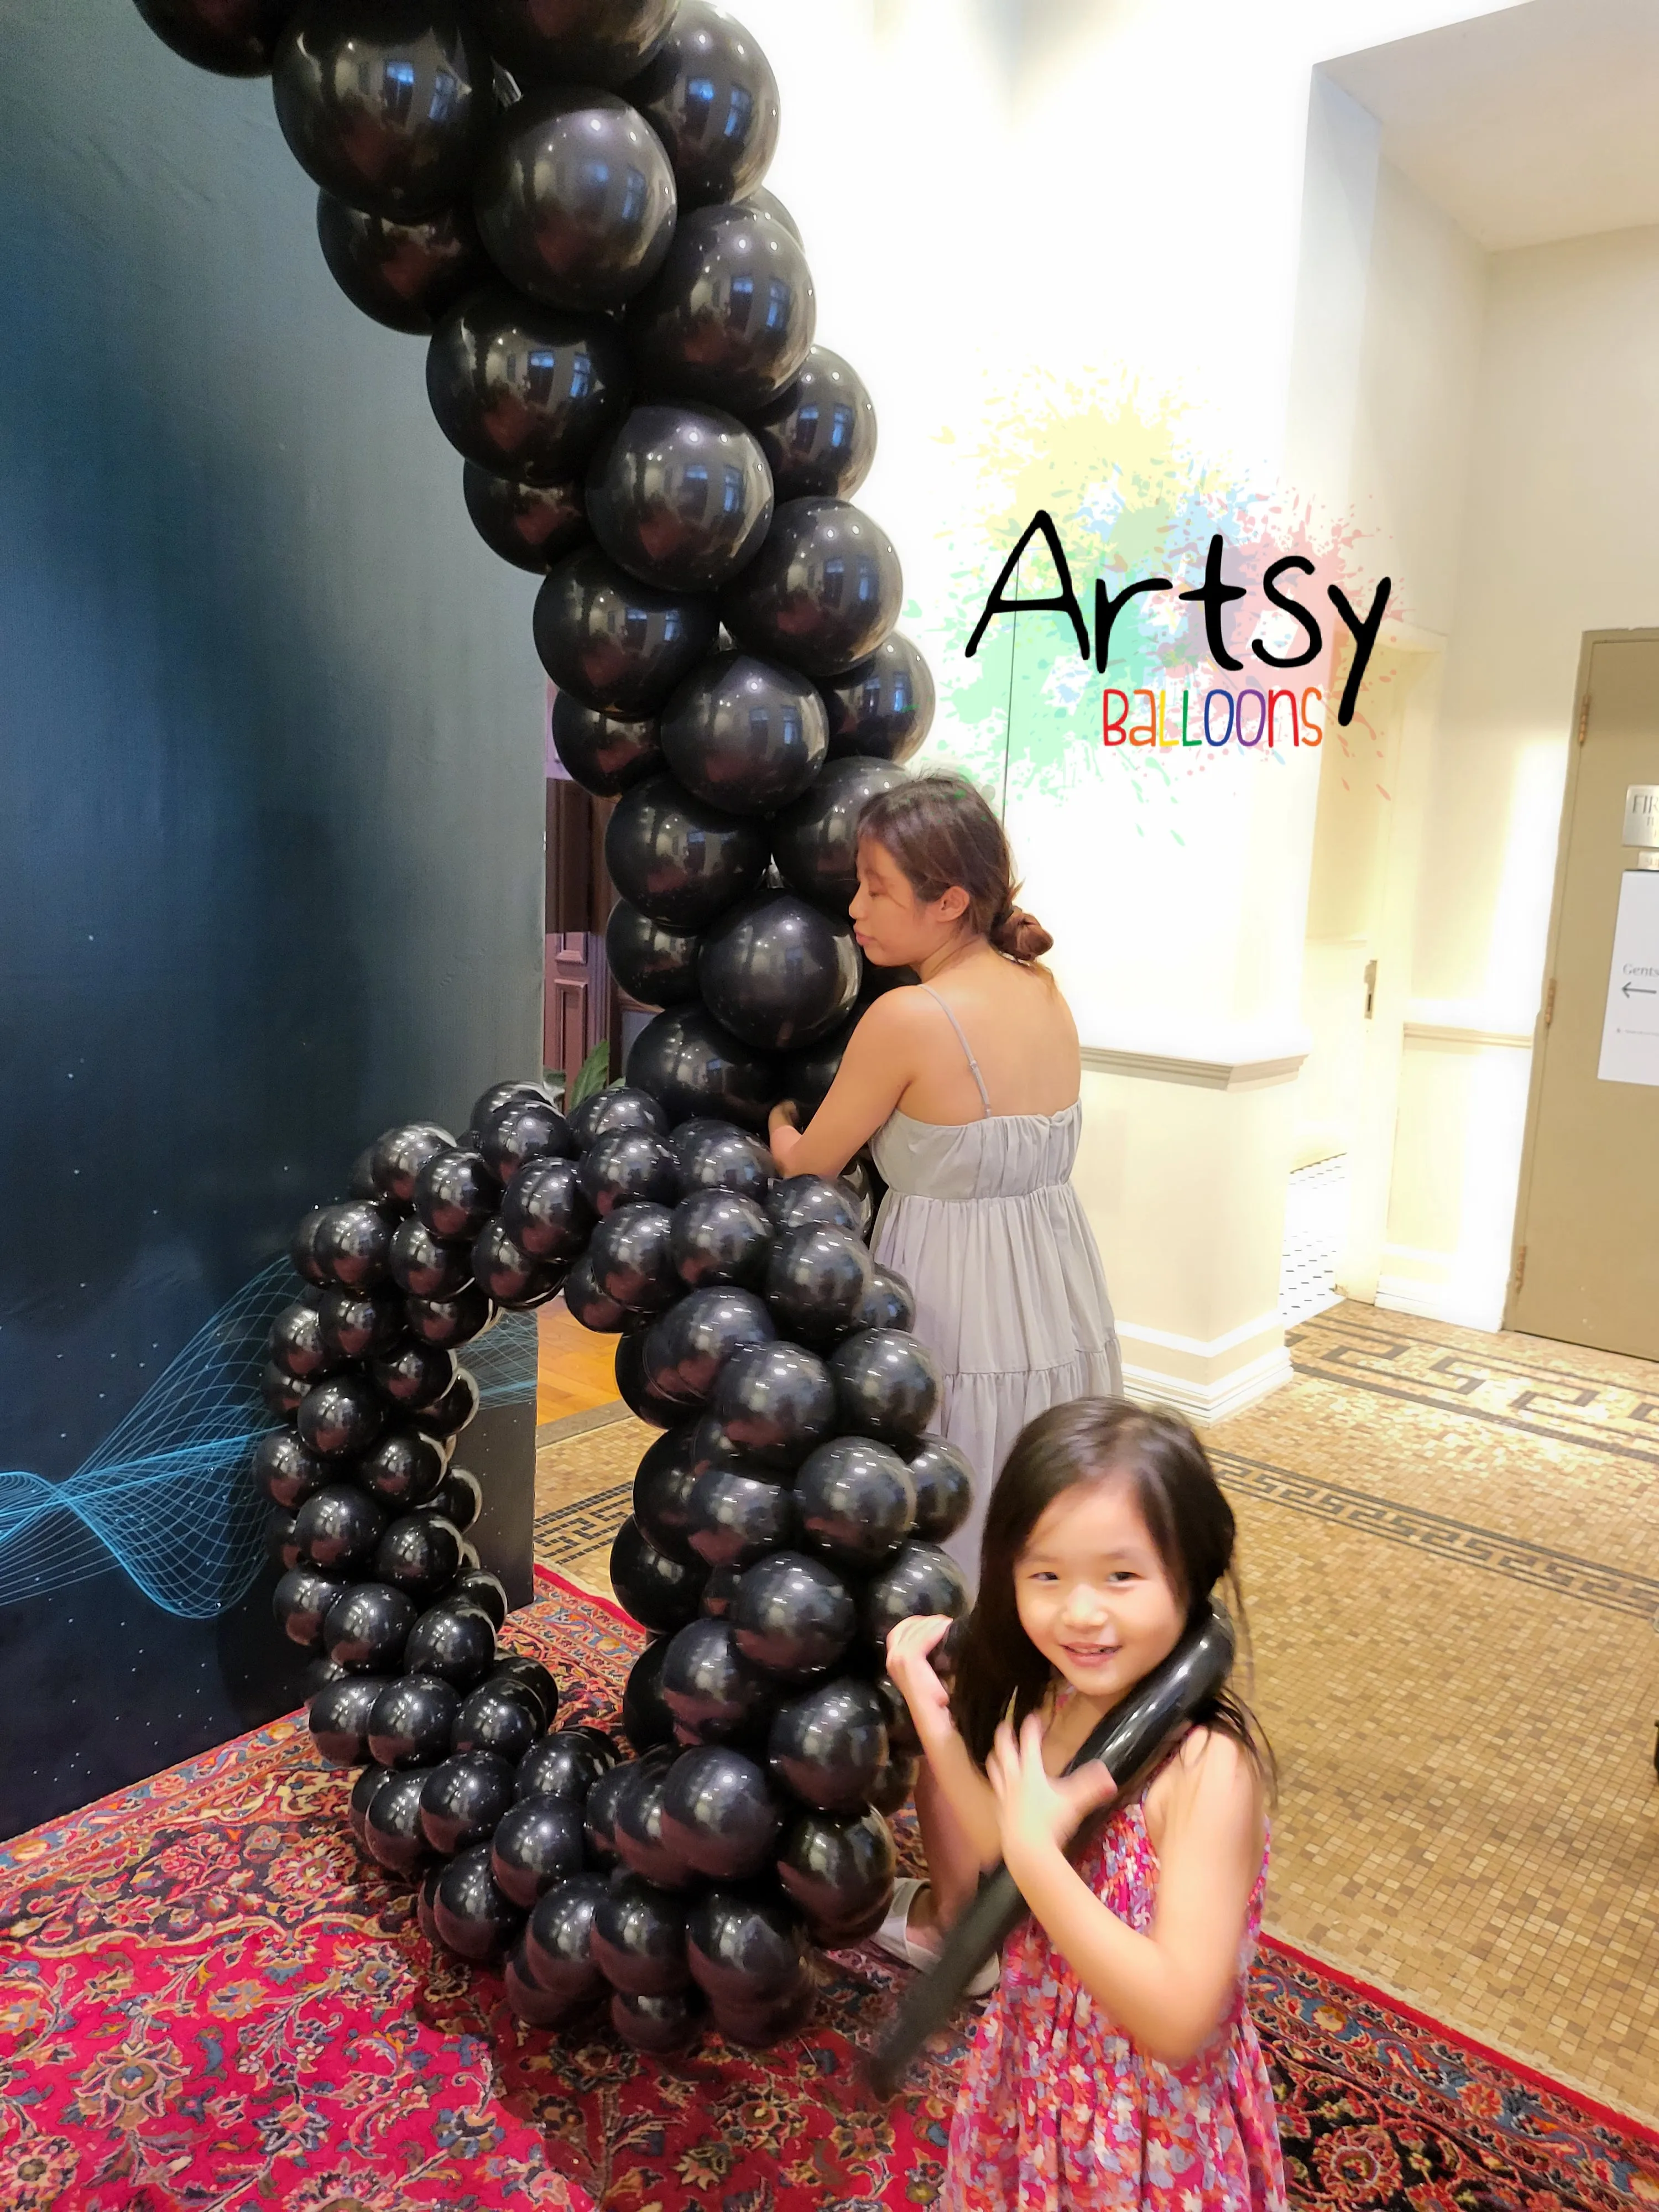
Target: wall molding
[(1455, 1033), (1202, 1403), (1410, 1294), (1242, 1073), (1468, 1022), (1195, 1347)]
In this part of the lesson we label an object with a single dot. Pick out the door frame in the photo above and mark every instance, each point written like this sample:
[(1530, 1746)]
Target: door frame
[(1590, 640)]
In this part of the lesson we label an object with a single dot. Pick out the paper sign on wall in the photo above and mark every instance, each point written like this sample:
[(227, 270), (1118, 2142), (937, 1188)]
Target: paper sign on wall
[(1630, 1031)]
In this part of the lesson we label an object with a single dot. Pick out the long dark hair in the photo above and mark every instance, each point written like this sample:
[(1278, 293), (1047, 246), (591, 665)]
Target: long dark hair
[(944, 836), (1186, 1515)]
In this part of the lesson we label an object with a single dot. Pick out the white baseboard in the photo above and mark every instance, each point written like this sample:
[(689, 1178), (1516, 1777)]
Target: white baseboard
[(1409, 1294), (1204, 1403)]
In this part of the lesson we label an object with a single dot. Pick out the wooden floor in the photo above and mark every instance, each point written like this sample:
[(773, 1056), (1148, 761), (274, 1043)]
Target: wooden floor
[(576, 1371)]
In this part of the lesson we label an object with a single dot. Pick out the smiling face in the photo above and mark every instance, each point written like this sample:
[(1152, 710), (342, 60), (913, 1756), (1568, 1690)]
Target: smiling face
[(1093, 1595), (893, 928)]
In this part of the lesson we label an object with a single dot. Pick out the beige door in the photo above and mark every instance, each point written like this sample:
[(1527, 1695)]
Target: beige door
[(1587, 1228)]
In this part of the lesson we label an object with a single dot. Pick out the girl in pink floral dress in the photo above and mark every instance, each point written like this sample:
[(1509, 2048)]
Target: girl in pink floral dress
[(1117, 2065)]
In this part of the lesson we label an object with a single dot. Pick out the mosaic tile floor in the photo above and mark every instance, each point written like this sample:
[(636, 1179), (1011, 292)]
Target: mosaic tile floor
[(1450, 1544)]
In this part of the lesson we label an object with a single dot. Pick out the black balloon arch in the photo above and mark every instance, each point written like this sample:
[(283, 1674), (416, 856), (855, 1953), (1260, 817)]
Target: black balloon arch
[(566, 198)]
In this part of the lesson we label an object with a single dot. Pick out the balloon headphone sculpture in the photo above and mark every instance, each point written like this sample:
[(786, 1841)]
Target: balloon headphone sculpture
[(565, 197)]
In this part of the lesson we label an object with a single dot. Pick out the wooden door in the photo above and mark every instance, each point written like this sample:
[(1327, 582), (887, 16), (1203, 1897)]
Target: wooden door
[(1587, 1257)]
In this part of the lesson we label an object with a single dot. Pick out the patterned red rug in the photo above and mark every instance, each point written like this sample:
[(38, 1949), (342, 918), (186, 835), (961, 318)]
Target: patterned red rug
[(209, 2002)]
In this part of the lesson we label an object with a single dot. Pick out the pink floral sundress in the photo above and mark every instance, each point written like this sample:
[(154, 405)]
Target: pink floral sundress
[(1060, 2112)]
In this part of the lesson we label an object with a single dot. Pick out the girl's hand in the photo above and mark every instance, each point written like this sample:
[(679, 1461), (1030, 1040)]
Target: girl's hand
[(907, 1647), (786, 1115), (1037, 1812)]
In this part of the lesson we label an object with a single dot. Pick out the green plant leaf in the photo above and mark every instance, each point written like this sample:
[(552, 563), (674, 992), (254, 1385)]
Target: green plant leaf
[(594, 1075)]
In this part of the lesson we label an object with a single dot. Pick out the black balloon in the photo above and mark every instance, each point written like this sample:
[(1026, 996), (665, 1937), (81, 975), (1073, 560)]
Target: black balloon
[(792, 1616), (882, 706), (566, 1766), (619, 646), (498, 1716), (405, 274), (759, 2027), (711, 93), (643, 1842), (619, 1106), (452, 1322), (558, 1941), (574, 197), (818, 1278), (544, 1212), (580, 42), (697, 1068), (893, 1786), (819, 434), (887, 1384), (459, 1498), (730, 316), (505, 1272), (587, 1303), (711, 1692), (744, 1950), (392, 1823), (337, 1528), (448, 1415), (602, 752), (289, 1473), (901, 1738), (718, 1814), (808, 1075), (777, 971), (362, 1795), (396, 1156), (538, 1843), (530, 1674), (628, 1167), (521, 1130), (720, 1591), (686, 1347), (300, 1602), (647, 1720), (736, 1519), (830, 1746), (921, 1579), (680, 496), (857, 1501), (631, 1256), (678, 859), (412, 1721), (233, 38), (280, 1542), (517, 1090), (658, 2025), (656, 965), (425, 1266), (339, 1718), (367, 1626), (714, 1156), (944, 1487), (839, 1870), (525, 391), (718, 1237), (661, 1594), (473, 1915), (822, 592), (414, 1375), (356, 1324), (525, 1998), (403, 1468), (352, 1242), (488, 1592), (776, 1402), (889, 1303), (599, 1813), (382, 101), (297, 1344), (455, 1194), (463, 1800), (303, 1246), (795, 1200), (532, 526), (632, 1385), (816, 843), (453, 1640)]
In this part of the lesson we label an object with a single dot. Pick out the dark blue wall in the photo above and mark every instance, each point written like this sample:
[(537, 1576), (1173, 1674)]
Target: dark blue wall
[(270, 795)]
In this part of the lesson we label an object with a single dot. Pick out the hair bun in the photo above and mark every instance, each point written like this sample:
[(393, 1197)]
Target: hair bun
[(1020, 935)]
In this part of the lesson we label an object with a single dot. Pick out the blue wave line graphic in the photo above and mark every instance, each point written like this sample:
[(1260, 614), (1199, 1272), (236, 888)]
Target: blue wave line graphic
[(166, 1495)]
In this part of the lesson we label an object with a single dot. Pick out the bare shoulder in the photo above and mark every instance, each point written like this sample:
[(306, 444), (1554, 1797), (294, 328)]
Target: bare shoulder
[(1213, 1780), (897, 1015)]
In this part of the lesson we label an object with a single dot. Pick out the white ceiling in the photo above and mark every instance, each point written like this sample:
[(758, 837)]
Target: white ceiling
[(1539, 121)]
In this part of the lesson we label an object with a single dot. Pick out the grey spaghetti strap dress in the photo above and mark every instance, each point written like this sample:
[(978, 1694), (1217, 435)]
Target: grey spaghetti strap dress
[(983, 1224)]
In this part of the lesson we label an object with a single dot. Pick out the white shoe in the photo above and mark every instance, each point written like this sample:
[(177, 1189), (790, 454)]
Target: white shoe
[(894, 1938)]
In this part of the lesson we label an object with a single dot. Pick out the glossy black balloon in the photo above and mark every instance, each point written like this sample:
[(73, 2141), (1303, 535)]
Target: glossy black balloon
[(816, 843), (363, 1794), (498, 1716), (506, 1272), (420, 1553), (303, 1246), (412, 1721), (532, 526), (537, 1842), (822, 592), (352, 1242), (450, 1322), (619, 1106), (775, 1403), (894, 1787), (657, 2025), (711, 1691), (391, 1824), (817, 1279), (459, 1498), (359, 1324), (745, 734), (233, 38), (300, 1602), (882, 708), (532, 1676), (448, 1415), (463, 1799), (661, 1594), (697, 1068), (281, 1545), (718, 1815), (339, 1716), (830, 1746), (656, 965), (559, 1939), (680, 496), (544, 1212), (714, 1155), (414, 1376), (475, 1586), (634, 1389), (405, 274), (718, 1237), (736, 1519), (795, 1200), (574, 197), (521, 1130), (792, 1615), (838, 1867), (297, 1344), (603, 752), (887, 1384), (598, 1813), (382, 101), (453, 1640), (888, 1304), (361, 1181), (472, 1913), (901, 1738), (647, 1720), (403, 1468), (565, 1765), (423, 1265), (620, 646), (629, 1250), (713, 98), (396, 1156), (286, 1471), (729, 318), (643, 1844), (587, 1303), (686, 1347), (920, 1579), (720, 1591), (678, 859), (743, 1950), (525, 1999), (624, 1168), (944, 1487), (368, 1627), (857, 1501), (807, 1075), (525, 391), (455, 1194), (580, 42), (819, 434), (757, 2028), (337, 1528)]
